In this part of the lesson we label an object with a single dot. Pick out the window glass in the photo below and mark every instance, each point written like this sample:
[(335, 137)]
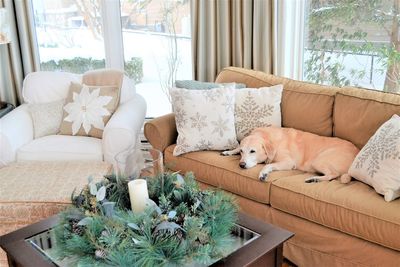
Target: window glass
[(157, 48), (69, 34), (353, 42)]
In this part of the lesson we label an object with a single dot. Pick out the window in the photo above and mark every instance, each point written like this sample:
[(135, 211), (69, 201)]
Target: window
[(157, 47), (151, 41), (353, 42), (69, 35)]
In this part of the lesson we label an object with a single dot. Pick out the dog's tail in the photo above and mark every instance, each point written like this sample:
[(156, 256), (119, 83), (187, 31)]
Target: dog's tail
[(345, 178)]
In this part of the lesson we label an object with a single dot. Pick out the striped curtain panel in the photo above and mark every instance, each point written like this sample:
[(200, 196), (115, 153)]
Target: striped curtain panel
[(19, 57), (231, 33)]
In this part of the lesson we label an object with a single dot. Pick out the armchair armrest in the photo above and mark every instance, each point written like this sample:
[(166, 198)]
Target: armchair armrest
[(16, 130), (123, 129), (161, 132)]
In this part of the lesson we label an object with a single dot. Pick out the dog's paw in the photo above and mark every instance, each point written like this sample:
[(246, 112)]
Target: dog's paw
[(225, 153), (313, 179), (263, 176)]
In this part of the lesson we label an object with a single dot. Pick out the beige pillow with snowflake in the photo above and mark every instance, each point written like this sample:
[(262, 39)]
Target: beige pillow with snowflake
[(257, 107), (204, 119), (88, 109), (378, 162)]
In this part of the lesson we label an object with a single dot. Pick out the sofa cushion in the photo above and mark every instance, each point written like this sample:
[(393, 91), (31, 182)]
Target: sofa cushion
[(353, 208), (367, 110), (305, 106), (61, 147), (224, 172)]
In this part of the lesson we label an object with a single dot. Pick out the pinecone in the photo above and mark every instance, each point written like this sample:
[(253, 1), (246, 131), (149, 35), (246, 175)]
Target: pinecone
[(77, 229), (100, 254)]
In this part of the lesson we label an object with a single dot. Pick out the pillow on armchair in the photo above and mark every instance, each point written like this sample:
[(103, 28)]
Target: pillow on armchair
[(46, 117), (88, 109)]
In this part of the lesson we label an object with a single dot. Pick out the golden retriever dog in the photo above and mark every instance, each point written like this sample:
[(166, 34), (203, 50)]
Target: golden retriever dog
[(287, 149)]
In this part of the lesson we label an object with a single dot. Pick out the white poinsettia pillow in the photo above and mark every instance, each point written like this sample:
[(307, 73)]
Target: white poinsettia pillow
[(88, 109), (257, 107), (378, 162), (204, 119)]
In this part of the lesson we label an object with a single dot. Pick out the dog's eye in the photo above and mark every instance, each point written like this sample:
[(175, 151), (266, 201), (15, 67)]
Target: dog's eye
[(252, 151), (241, 151)]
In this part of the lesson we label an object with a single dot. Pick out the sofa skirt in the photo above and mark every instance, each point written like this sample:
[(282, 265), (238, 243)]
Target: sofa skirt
[(317, 245)]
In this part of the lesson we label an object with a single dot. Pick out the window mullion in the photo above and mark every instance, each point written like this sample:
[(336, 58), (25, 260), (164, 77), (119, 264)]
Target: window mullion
[(112, 33)]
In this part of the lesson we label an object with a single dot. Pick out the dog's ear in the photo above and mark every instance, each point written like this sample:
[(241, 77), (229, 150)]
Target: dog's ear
[(269, 149)]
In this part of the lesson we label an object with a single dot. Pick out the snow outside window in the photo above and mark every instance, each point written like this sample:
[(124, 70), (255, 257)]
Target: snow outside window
[(149, 39)]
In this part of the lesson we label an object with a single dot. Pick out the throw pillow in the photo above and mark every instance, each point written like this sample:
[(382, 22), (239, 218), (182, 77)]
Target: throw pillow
[(257, 108), (197, 85), (88, 109), (204, 119), (378, 162), (46, 117)]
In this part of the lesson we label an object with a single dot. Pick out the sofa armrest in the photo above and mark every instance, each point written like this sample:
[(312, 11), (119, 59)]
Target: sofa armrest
[(123, 129), (16, 130), (161, 132)]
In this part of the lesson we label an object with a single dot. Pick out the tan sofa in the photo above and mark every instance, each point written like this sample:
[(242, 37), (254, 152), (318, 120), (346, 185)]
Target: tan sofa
[(334, 224)]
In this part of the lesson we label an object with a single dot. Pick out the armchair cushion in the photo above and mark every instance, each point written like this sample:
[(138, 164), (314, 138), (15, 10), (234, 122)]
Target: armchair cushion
[(61, 148)]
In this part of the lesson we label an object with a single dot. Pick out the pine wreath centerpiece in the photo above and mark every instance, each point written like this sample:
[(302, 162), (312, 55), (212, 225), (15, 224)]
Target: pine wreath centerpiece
[(181, 224)]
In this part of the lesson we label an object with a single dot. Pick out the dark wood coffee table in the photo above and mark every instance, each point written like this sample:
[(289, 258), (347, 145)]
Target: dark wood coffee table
[(263, 247)]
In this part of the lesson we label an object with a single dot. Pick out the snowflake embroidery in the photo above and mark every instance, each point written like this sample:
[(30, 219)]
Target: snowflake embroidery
[(382, 146), (198, 121), (220, 126), (180, 117), (204, 145), (210, 95), (232, 143), (250, 115), (229, 103), (181, 145)]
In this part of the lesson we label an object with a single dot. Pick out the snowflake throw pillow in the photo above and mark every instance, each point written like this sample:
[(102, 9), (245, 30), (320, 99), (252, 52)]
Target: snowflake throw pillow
[(378, 163), (88, 109), (204, 119), (257, 108)]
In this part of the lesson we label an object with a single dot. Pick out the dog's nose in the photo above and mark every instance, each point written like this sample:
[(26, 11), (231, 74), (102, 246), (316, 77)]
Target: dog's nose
[(242, 165)]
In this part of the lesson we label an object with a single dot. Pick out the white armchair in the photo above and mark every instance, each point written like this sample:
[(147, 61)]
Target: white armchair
[(17, 141)]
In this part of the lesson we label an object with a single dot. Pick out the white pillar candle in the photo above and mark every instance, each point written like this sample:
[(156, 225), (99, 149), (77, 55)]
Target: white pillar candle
[(138, 194)]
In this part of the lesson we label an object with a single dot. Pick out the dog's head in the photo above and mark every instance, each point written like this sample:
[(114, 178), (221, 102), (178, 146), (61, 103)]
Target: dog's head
[(255, 149)]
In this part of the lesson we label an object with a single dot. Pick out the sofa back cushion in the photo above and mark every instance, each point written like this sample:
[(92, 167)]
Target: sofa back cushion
[(305, 106), (358, 113)]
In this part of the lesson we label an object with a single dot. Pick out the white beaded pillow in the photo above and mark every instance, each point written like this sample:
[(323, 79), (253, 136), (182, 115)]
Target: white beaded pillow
[(46, 117)]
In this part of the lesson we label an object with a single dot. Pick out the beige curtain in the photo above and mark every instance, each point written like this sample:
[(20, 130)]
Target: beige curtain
[(231, 33), (19, 57)]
